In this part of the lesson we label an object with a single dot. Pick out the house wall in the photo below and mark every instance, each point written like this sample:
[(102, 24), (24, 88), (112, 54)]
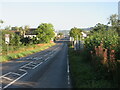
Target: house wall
[(31, 36)]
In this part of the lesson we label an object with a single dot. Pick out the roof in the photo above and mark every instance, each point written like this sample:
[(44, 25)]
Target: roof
[(31, 31)]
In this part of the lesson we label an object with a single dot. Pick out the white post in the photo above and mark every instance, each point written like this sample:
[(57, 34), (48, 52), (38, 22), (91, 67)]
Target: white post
[(7, 40)]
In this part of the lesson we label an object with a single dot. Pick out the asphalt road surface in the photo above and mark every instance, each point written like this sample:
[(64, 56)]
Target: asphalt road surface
[(45, 69)]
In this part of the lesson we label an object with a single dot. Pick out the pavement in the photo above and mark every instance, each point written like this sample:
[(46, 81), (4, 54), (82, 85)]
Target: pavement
[(45, 69)]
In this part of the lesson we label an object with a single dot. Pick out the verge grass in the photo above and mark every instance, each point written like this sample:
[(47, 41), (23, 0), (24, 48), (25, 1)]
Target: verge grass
[(82, 73), (24, 52)]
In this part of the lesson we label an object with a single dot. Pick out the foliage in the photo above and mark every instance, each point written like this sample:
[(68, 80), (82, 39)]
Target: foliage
[(24, 51), (83, 74), (35, 41), (15, 28), (1, 21), (98, 27), (25, 41), (45, 32), (15, 41), (109, 38), (60, 34), (74, 32), (113, 19), (8, 27)]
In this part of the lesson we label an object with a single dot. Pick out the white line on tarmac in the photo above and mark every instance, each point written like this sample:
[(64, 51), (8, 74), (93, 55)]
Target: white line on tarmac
[(26, 64), (45, 54), (16, 73), (68, 80), (14, 81), (32, 65), (47, 58), (26, 67), (23, 70), (68, 70), (8, 78), (37, 65), (5, 74)]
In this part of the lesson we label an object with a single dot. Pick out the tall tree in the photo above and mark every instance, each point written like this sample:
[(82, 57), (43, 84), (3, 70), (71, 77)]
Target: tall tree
[(21, 30), (113, 19), (1, 22), (26, 28), (74, 32), (15, 28), (8, 27), (45, 32), (98, 27)]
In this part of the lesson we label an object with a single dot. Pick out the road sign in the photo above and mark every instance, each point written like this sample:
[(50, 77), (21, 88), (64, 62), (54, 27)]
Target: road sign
[(7, 38)]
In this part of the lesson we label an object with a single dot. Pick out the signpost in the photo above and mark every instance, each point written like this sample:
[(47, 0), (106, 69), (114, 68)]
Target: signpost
[(7, 41)]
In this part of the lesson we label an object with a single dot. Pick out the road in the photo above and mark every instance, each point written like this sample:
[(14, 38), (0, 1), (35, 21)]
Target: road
[(45, 69)]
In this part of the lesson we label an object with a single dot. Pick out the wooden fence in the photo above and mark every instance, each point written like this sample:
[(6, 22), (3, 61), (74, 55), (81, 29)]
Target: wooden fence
[(107, 59)]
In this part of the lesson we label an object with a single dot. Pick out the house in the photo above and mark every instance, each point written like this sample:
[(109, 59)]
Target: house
[(30, 33), (84, 34), (16, 32)]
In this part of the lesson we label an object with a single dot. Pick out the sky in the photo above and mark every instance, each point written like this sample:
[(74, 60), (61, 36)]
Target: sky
[(63, 15)]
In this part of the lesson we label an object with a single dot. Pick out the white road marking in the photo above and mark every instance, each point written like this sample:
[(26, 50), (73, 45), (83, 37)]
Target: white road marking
[(23, 70), (5, 74), (68, 71), (32, 65), (37, 65), (68, 80), (14, 81), (47, 58), (51, 54), (26, 64), (26, 67), (8, 78), (40, 57), (15, 73), (45, 54)]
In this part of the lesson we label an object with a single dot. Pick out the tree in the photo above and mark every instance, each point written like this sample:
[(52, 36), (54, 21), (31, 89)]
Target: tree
[(21, 30), (45, 32), (1, 22), (98, 27), (60, 34), (15, 28), (15, 40), (74, 32), (113, 19), (8, 27), (26, 28)]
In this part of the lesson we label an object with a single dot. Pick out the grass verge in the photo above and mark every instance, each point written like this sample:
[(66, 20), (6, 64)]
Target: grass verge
[(82, 73), (27, 51)]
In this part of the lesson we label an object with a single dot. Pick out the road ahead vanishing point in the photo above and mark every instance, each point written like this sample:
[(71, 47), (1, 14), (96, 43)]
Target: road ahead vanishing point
[(45, 69)]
